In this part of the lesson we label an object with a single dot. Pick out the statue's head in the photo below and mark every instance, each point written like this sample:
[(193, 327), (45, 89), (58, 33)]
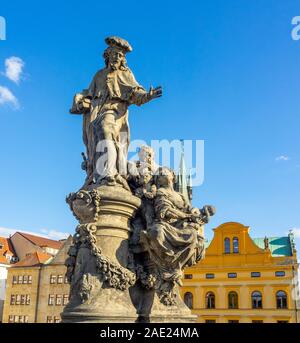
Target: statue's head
[(146, 154), (145, 176), (114, 55), (165, 177)]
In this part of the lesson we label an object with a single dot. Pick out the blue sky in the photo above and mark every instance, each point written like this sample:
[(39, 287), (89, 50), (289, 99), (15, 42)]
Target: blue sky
[(230, 74)]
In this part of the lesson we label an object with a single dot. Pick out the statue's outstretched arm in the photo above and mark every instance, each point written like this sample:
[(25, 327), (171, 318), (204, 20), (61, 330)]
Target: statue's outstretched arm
[(139, 96)]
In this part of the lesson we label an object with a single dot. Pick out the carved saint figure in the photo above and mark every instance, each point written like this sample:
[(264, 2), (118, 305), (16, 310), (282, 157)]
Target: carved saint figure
[(105, 114), (173, 241)]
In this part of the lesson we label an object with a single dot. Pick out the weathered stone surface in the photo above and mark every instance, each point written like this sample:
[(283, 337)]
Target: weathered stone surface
[(99, 260), (136, 234)]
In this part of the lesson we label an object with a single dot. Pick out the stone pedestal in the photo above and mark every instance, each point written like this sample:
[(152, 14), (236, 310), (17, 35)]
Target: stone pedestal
[(150, 309), (100, 276)]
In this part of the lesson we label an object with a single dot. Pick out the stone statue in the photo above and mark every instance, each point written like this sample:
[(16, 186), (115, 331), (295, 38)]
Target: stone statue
[(266, 242), (136, 234), (104, 106), (170, 237)]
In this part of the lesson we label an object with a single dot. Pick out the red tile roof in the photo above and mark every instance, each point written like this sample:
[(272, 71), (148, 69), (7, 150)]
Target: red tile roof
[(34, 259), (41, 241), (7, 248)]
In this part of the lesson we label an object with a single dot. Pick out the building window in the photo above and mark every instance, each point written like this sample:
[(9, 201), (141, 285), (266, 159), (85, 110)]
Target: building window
[(233, 321), (29, 279), (281, 300), (210, 321), (256, 300), (52, 279), (210, 300), (56, 320), (227, 245), (233, 300), (255, 274), (235, 245), (27, 299), (188, 300), (51, 300), (17, 319), (25, 279), (188, 276), (12, 299), (58, 300), (20, 279), (210, 276), (23, 299), (66, 279), (257, 321), (279, 273), (49, 319), (66, 299), (231, 275), (18, 299), (14, 280), (60, 279)]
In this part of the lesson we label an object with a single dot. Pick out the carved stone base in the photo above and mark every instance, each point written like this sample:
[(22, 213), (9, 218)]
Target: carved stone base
[(101, 276), (151, 309), (110, 306), (104, 281)]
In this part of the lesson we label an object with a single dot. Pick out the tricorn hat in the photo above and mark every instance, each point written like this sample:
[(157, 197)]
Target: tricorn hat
[(118, 42)]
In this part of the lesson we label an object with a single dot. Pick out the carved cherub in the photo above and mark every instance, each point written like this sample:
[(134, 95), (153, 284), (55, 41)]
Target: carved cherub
[(146, 191), (147, 188), (202, 216)]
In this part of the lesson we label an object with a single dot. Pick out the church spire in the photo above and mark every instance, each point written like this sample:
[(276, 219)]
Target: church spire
[(183, 181)]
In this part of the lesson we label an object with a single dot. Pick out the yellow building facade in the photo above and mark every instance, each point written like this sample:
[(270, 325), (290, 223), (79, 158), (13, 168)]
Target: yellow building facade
[(37, 289), (244, 280)]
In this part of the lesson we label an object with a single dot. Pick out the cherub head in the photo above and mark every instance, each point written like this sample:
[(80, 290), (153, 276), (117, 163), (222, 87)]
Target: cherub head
[(145, 176), (146, 154)]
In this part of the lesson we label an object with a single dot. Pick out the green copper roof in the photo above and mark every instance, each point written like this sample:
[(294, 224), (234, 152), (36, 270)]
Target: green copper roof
[(279, 246)]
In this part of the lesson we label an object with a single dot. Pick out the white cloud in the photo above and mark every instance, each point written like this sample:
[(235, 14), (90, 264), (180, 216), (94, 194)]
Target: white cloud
[(52, 234), (7, 97), (282, 158), (14, 68)]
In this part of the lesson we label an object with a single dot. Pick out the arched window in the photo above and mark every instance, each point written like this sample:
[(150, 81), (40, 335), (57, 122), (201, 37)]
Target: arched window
[(235, 245), (188, 300), (233, 300), (227, 245), (210, 300), (256, 299), (281, 299)]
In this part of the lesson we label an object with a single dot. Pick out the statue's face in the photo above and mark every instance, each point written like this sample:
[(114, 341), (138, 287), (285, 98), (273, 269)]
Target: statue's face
[(145, 154), (166, 177), (115, 59)]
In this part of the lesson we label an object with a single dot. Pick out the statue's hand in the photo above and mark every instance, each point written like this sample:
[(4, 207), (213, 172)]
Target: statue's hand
[(155, 92)]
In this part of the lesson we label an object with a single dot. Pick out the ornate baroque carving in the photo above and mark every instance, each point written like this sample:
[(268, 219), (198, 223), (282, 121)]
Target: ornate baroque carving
[(110, 272), (85, 205)]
